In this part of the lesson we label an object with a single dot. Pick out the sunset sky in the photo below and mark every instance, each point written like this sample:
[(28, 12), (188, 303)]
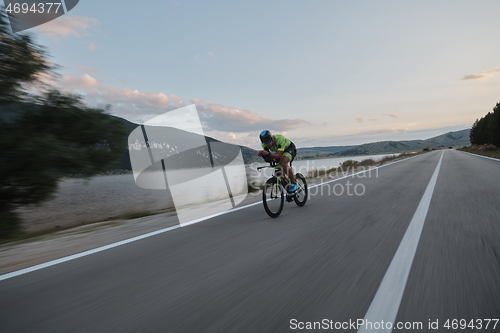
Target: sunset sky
[(321, 72)]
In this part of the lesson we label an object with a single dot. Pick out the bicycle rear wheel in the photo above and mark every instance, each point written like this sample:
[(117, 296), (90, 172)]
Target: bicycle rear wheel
[(273, 197), (300, 197)]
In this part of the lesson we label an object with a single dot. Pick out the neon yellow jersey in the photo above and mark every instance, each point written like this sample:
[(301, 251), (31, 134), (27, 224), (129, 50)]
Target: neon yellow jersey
[(281, 143)]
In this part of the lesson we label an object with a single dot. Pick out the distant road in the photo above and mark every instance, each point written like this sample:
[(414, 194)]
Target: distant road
[(245, 272)]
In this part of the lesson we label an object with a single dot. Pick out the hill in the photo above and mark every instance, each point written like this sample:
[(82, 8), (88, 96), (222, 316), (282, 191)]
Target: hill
[(451, 139), (319, 152), (180, 139), (454, 139)]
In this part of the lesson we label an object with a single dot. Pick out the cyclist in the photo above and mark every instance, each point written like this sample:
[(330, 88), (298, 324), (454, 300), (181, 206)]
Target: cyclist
[(279, 148)]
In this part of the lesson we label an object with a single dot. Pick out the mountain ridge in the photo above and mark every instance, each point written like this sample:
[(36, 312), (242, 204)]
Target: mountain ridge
[(451, 139)]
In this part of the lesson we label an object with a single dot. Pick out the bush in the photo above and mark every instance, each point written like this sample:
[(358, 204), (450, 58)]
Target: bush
[(349, 163), (387, 158), (367, 162)]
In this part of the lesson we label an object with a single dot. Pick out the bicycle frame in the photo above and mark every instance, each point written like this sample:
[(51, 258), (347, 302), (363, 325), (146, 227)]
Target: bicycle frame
[(277, 185), (278, 171)]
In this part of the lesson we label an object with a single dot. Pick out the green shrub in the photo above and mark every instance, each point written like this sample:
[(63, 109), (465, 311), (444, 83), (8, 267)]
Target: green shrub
[(367, 162), (349, 163)]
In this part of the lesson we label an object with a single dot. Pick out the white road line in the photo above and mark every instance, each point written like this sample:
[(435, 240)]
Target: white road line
[(83, 254), (385, 304), (490, 158), (130, 240), (201, 219)]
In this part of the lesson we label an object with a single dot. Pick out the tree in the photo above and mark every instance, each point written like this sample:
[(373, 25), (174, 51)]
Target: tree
[(473, 133), (487, 129), (21, 62), (44, 136), (495, 127)]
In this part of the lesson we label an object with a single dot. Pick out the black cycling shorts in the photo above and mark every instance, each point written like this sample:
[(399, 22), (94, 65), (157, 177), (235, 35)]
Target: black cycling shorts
[(291, 150)]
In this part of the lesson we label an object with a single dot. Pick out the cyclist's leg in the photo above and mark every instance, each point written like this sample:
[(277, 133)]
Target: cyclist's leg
[(291, 151), (289, 154), (287, 170)]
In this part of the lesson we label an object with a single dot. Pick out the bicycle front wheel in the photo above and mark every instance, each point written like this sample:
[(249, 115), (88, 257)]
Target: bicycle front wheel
[(273, 197), (300, 197)]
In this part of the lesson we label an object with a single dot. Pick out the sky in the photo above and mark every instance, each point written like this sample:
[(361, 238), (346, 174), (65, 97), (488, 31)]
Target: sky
[(321, 72)]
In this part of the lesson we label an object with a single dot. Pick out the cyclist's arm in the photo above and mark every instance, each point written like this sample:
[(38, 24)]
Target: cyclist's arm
[(264, 152), (277, 154), (267, 153)]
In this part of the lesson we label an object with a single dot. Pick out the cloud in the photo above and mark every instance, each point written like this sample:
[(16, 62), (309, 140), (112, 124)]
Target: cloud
[(85, 69), (392, 114), (219, 118), (140, 106), (481, 75), (380, 132), (93, 47), (85, 82), (128, 103), (242, 139), (204, 55), (66, 26), (127, 81), (359, 118)]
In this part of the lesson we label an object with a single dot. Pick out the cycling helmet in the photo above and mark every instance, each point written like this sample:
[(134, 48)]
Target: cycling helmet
[(266, 137)]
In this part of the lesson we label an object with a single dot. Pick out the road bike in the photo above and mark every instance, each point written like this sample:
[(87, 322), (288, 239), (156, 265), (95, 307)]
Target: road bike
[(275, 192)]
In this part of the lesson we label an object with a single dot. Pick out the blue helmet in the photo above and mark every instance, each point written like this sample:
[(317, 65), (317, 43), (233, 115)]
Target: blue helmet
[(266, 137)]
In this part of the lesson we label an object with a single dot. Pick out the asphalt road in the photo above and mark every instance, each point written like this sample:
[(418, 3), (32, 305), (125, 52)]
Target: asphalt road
[(246, 272)]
